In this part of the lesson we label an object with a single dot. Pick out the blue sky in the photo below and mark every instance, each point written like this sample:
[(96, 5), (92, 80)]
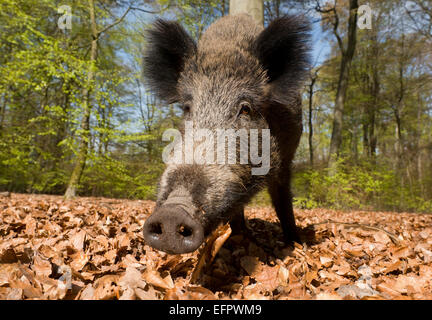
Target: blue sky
[(320, 45)]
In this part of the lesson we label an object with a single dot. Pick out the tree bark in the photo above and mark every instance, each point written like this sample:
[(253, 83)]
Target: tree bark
[(366, 144), (310, 111), (372, 114), (397, 112), (419, 146), (347, 56), (2, 112), (85, 122), (255, 8)]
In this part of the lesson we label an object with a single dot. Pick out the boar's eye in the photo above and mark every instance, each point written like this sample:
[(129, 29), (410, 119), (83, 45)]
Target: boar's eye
[(245, 108)]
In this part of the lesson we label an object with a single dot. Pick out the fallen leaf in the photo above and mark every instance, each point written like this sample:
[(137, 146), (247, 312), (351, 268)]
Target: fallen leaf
[(41, 266), (79, 260), (268, 277), (251, 265), (105, 288), (155, 278), (398, 265), (208, 252), (382, 237), (77, 240), (326, 261)]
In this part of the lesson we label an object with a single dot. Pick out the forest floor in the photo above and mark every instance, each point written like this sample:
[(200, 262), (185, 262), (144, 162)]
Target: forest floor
[(93, 248)]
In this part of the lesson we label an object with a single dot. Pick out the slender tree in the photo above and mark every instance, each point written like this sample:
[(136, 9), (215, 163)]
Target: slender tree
[(87, 91), (347, 54), (311, 90)]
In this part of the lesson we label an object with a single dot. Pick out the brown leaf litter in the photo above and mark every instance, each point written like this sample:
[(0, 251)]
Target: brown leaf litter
[(93, 248)]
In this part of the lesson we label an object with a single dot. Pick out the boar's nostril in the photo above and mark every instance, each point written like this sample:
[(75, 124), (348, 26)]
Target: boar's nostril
[(155, 228), (185, 231)]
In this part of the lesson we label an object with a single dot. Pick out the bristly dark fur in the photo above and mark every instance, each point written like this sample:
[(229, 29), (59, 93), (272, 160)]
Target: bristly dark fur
[(236, 61), (168, 48), (283, 50)]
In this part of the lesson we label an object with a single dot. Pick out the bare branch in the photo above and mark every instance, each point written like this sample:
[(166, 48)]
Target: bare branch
[(115, 22), (147, 11), (335, 22), (336, 33), (392, 236)]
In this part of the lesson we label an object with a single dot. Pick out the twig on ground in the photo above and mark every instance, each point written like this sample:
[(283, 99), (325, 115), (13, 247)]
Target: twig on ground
[(358, 225)]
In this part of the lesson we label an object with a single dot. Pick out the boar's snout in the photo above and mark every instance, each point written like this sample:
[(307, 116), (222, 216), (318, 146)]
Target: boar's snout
[(171, 229)]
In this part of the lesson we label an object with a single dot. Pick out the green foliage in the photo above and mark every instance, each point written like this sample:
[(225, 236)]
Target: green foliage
[(43, 73), (305, 203), (108, 177), (363, 186), (261, 199), (44, 78), (196, 15)]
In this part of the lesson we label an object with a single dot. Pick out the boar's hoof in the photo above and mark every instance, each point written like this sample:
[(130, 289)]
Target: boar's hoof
[(173, 230)]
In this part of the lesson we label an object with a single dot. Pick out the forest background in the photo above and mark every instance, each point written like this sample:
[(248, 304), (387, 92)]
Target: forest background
[(76, 117)]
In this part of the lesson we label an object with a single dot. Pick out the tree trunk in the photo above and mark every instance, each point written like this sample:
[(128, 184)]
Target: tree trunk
[(372, 115), (366, 144), (399, 142), (419, 145), (369, 122), (311, 93), (255, 8), (375, 93), (347, 56), (397, 111), (85, 122), (354, 142), (2, 111), (311, 155)]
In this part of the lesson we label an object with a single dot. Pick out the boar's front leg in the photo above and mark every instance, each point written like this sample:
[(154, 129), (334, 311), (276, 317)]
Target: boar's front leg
[(238, 224), (282, 201)]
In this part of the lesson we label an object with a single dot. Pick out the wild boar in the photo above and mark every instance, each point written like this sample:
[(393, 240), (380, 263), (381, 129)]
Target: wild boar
[(242, 77)]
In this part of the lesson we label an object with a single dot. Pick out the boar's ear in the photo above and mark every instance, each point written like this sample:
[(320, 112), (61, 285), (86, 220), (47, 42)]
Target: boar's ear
[(283, 50), (168, 47)]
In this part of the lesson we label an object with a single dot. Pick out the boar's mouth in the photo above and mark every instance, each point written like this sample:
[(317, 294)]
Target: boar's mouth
[(173, 229)]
